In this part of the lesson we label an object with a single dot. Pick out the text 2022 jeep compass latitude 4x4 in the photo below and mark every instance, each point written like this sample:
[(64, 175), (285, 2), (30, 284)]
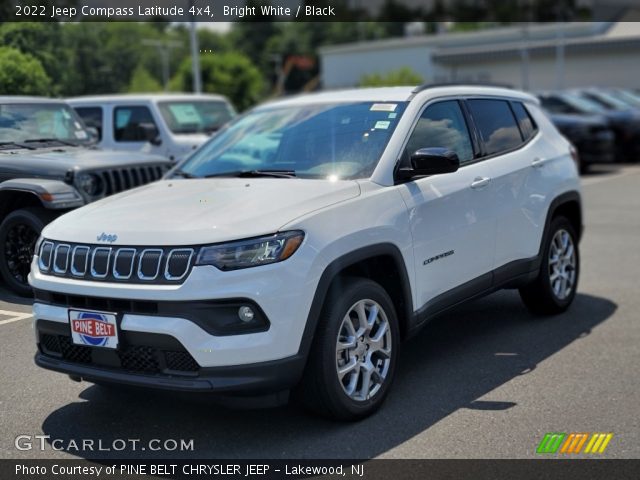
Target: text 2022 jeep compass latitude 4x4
[(297, 249)]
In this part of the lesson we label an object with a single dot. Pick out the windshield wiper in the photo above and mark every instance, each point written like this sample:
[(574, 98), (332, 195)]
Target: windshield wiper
[(14, 145), (183, 174), (255, 174), (51, 140)]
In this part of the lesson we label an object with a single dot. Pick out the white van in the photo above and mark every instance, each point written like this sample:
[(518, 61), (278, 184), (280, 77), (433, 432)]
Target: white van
[(171, 125)]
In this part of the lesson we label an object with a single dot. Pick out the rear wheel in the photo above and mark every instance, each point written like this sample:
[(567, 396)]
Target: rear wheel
[(555, 287), (18, 235), (353, 358)]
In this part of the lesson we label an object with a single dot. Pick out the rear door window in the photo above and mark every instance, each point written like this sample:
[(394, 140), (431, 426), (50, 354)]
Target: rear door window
[(496, 124), (525, 122)]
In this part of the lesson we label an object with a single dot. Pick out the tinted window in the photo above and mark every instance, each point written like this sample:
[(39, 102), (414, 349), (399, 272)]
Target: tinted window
[(92, 117), (129, 123), (496, 124), (441, 125), (525, 122)]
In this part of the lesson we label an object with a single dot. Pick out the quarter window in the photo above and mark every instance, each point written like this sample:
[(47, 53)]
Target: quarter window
[(131, 123), (441, 125), (525, 122), (496, 124)]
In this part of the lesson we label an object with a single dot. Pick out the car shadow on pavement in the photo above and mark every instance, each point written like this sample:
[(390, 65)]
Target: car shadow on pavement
[(451, 364)]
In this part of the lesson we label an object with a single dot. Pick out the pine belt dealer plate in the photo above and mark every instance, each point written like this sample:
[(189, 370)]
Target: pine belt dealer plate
[(93, 329)]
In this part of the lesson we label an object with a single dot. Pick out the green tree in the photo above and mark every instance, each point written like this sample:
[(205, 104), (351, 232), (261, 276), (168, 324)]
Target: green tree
[(393, 78), (41, 40), (22, 74), (143, 82), (231, 74)]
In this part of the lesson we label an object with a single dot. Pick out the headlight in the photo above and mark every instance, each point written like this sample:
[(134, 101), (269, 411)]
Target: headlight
[(252, 252), (89, 183)]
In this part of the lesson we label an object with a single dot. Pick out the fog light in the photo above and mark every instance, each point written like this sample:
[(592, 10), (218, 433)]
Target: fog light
[(245, 314)]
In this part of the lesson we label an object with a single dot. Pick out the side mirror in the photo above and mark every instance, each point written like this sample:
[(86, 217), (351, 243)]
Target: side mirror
[(93, 132), (431, 161), (150, 133)]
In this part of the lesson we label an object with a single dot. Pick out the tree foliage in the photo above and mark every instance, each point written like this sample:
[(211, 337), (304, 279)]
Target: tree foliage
[(231, 74), (394, 78), (22, 74)]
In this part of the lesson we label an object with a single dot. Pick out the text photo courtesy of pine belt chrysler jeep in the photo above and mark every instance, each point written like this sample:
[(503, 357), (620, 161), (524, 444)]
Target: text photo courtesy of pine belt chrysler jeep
[(297, 249), (49, 165)]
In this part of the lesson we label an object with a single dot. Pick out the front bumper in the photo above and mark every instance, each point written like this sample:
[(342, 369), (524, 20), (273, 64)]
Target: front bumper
[(158, 361)]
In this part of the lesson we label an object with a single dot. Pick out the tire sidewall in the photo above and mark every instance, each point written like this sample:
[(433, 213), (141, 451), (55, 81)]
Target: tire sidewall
[(559, 223), (14, 218), (342, 301)]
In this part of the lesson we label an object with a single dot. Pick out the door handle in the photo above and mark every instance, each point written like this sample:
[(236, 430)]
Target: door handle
[(480, 182), (538, 162)]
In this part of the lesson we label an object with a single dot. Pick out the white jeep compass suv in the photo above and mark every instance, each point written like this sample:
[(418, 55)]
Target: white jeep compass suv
[(298, 248)]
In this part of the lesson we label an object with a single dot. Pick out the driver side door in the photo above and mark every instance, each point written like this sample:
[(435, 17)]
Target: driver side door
[(451, 215)]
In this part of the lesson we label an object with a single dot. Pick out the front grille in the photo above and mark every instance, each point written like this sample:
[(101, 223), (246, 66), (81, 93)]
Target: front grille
[(115, 264), (118, 180), (131, 358)]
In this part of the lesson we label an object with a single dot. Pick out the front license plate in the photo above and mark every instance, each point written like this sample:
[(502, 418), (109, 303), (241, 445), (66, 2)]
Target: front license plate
[(93, 329)]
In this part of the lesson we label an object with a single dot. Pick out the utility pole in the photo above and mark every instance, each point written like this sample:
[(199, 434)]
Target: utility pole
[(195, 54), (164, 50)]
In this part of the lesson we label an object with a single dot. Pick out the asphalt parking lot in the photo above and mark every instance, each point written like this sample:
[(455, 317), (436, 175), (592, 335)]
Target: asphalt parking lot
[(487, 380)]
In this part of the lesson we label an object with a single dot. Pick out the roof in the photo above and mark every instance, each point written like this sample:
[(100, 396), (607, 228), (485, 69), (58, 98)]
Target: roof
[(119, 97), (394, 94), (22, 99), (498, 38)]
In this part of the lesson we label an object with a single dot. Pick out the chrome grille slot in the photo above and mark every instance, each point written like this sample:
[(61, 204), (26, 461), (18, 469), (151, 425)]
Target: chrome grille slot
[(100, 262), (79, 260), (46, 254), (151, 265), (123, 263), (178, 261), (61, 258)]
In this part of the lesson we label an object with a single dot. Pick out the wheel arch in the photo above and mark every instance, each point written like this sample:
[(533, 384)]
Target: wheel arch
[(568, 205), (382, 263)]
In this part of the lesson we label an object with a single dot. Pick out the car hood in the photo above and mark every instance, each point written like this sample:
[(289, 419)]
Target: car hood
[(63, 159), (199, 211)]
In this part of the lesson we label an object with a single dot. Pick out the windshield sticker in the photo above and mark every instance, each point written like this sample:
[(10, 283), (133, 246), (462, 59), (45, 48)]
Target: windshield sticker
[(81, 134), (392, 115), (383, 107), (382, 125), (185, 113)]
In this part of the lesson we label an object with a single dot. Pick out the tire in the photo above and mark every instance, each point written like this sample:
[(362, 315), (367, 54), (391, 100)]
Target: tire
[(322, 390), (18, 234), (545, 296)]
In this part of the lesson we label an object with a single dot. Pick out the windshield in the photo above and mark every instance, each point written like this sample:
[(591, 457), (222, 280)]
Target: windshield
[(583, 104), (31, 122), (195, 116), (343, 141), (630, 98), (607, 101)]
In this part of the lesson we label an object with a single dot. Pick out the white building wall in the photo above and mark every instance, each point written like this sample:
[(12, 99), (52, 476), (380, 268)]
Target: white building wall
[(341, 70), (602, 68)]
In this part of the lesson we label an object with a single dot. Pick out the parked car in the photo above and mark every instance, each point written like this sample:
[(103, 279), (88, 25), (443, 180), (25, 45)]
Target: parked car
[(303, 262), (590, 134), (49, 165), (624, 123), (605, 98), (168, 125)]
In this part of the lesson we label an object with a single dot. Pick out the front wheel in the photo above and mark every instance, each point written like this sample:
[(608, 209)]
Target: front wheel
[(555, 286), (18, 235), (353, 359)]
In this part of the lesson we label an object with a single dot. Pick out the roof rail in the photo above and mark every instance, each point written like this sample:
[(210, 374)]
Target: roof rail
[(426, 86)]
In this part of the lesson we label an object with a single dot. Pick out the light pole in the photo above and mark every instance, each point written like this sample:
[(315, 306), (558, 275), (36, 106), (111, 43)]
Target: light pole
[(164, 50), (195, 54)]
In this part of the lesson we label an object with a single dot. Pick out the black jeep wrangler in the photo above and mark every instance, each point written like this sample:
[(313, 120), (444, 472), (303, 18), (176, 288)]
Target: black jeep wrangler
[(49, 165)]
